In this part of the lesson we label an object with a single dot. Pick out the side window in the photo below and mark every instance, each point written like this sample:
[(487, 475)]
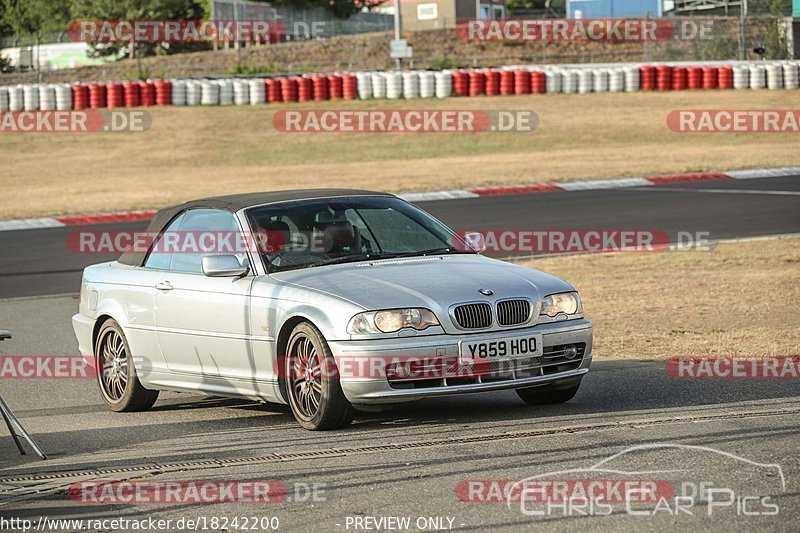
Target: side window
[(201, 233), (161, 255)]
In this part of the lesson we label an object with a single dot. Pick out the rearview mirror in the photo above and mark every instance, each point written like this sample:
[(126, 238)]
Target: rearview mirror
[(223, 266), (4, 334), (475, 241)]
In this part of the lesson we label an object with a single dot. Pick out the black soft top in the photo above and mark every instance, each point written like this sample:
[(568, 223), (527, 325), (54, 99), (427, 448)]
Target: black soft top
[(234, 203)]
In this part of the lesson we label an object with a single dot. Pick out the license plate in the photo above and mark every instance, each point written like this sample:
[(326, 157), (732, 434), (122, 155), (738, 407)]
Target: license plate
[(501, 349)]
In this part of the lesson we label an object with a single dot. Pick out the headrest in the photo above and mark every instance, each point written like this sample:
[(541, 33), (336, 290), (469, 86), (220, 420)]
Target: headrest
[(338, 235)]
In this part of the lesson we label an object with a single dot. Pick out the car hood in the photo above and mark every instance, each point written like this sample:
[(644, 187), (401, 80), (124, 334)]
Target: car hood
[(435, 282)]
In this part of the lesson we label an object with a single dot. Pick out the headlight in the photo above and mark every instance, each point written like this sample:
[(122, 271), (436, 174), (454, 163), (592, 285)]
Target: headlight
[(391, 320), (563, 302)]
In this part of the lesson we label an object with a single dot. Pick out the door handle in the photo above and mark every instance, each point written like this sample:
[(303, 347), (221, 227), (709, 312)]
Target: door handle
[(164, 286)]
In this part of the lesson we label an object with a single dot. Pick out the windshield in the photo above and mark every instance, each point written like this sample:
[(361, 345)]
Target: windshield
[(337, 230)]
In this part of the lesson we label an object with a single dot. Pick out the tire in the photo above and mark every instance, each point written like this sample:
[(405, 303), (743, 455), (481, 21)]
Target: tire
[(116, 374), (547, 395), (315, 397)]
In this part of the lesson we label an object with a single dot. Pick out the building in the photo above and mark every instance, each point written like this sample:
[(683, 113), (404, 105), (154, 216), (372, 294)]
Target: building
[(436, 14), (593, 9)]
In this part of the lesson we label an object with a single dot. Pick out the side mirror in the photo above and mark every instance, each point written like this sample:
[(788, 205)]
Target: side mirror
[(4, 334), (223, 266), (475, 241)]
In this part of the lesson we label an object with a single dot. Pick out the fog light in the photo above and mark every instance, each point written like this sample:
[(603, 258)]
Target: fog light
[(570, 351)]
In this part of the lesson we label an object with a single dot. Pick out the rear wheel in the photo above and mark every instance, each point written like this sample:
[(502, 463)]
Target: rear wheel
[(547, 395), (116, 374), (315, 396)]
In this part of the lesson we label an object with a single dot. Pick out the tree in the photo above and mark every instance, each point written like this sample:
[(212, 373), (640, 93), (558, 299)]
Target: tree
[(139, 10), (34, 17)]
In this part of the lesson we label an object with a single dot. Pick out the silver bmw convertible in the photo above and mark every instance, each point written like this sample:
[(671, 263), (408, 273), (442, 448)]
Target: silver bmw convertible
[(329, 300)]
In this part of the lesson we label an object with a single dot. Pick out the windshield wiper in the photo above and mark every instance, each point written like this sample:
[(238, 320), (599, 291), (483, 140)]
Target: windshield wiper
[(432, 251), (348, 259)]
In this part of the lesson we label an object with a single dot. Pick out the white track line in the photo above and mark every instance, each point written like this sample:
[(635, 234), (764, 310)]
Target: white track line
[(732, 191)]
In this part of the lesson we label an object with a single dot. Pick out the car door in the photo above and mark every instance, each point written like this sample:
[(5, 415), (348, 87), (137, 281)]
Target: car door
[(203, 322)]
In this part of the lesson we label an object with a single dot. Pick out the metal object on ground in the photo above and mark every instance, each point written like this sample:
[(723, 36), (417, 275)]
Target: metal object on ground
[(14, 425)]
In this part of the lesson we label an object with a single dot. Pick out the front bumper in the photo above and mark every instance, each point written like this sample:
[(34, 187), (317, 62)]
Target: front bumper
[(361, 389)]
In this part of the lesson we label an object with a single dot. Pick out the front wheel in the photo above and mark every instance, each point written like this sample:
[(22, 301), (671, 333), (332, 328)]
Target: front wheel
[(547, 395), (116, 375), (314, 394)]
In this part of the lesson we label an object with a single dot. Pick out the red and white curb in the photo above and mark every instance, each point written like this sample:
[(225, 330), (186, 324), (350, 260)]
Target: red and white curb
[(132, 216)]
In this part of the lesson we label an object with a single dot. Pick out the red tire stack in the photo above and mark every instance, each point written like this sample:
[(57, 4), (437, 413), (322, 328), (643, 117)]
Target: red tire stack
[(132, 96), (273, 90), (507, 82), (335, 87), (80, 96), (679, 77), (349, 87), (647, 78), (97, 95), (522, 82), (725, 77), (694, 78), (710, 78), (163, 92), (538, 82), (460, 83), (148, 91), (492, 83), (305, 89), (288, 89), (664, 78), (321, 91), (115, 95), (477, 83)]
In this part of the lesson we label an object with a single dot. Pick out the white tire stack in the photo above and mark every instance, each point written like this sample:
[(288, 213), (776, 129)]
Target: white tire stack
[(364, 85), (553, 79), (410, 85), (774, 76), (258, 91), (758, 77), (30, 97), (791, 80), (601, 83), (16, 98), (209, 92), (241, 92), (394, 85), (225, 92), (616, 80), (585, 80), (194, 92), (178, 92), (741, 77), (444, 83), (427, 84), (631, 78), (3, 98), (47, 97), (378, 84), (63, 96), (569, 81)]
